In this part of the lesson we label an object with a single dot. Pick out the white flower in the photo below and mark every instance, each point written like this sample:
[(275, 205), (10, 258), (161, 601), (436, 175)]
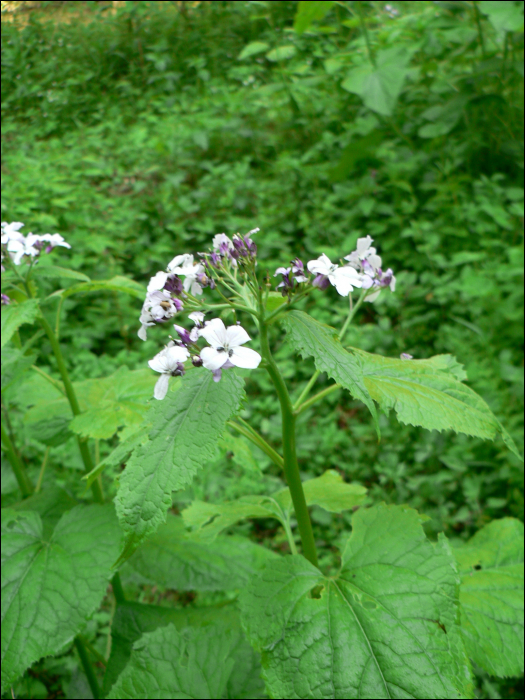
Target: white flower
[(11, 231), (364, 251), (221, 243), (158, 306), (157, 282), (344, 279), (169, 363), (197, 317), (54, 240), (183, 265), (17, 248), (226, 345)]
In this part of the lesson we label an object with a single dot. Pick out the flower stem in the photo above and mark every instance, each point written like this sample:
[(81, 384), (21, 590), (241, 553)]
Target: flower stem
[(73, 402), (304, 393), (24, 484), (42, 470), (290, 466), (302, 407), (252, 435), (88, 668)]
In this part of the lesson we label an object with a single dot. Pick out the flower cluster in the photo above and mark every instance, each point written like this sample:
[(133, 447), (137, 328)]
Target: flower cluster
[(32, 245), (363, 271), (233, 250), (224, 351)]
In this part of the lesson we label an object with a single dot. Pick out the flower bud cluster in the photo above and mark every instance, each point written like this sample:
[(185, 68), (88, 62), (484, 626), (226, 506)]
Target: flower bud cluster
[(363, 271), (16, 245)]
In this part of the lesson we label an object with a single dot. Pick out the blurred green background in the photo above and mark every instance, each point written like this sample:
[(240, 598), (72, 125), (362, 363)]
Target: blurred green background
[(138, 130)]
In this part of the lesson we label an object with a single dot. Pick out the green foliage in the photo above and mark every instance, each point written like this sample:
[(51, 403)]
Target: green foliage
[(386, 624), (133, 620), (51, 584), (491, 597), (308, 12), (14, 315), (186, 426)]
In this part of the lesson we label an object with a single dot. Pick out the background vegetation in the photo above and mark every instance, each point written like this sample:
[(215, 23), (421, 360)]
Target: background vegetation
[(139, 129)]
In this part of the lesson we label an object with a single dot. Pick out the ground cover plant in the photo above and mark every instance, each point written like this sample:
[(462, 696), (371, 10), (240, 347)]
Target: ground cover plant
[(287, 123)]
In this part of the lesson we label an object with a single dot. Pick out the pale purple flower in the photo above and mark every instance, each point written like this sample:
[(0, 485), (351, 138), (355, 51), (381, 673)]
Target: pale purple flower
[(169, 362), (226, 345), (366, 261), (5, 300), (364, 251), (244, 247), (184, 265), (344, 279), (406, 356), (158, 307)]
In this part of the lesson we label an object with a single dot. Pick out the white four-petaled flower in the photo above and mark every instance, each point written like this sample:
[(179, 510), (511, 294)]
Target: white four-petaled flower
[(344, 279), (184, 265), (226, 345), (167, 362)]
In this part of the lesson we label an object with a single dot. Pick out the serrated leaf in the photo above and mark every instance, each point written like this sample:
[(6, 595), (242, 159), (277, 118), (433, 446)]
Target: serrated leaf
[(427, 393), (50, 505), (274, 301), (308, 12), (186, 427), (384, 627), (172, 560), (132, 620), (281, 53), (328, 491), (379, 87), (56, 272), (14, 315), (115, 284), (50, 586), (48, 422), (209, 519), (99, 423), (317, 340), (491, 597), (253, 48)]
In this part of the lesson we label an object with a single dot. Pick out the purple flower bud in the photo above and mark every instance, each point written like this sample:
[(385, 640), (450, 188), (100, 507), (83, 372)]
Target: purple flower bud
[(196, 360), (297, 266), (180, 371), (178, 304), (5, 300), (386, 279), (183, 335), (174, 285), (321, 281), (406, 356), (214, 259)]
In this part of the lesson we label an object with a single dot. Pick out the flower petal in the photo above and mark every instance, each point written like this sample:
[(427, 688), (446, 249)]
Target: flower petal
[(236, 335), (212, 359), (214, 332), (161, 387), (157, 282), (176, 354), (180, 260), (322, 265), (245, 358)]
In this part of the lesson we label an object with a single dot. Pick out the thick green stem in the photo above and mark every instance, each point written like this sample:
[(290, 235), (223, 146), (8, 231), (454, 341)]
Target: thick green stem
[(73, 402), (24, 484), (88, 668), (291, 467), (248, 432)]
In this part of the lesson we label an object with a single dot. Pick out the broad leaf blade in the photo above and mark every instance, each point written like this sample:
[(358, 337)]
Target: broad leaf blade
[(308, 12), (491, 597), (320, 341), (50, 586), (14, 315), (172, 560), (115, 284), (56, 272), (209, 519), (132, 620), (328, 491), (385, 627), (186, 427)]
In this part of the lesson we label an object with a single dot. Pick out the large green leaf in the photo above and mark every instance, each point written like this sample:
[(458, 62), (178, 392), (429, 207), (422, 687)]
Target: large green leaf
[(328, 491), (186, 427), (308, 12), (172, 560), (379, 86), (504, 15), (14, 364), (317, 340), (428, 393), (14, 315), (50, 585), (491, 597), (115, 284), (56, 272), (253, 48), (120, 454), (384, 627), (50, 504), (132, 620)]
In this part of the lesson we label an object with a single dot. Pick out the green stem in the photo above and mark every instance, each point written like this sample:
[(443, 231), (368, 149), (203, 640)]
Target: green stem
[(118, 591), (73, 402), (480, 31), (291, 467), (24, 484), (248, 432), (352, 313), (304, 393), (50, 379), (88, 668), (365, 34), (302, 407), (42, 470)]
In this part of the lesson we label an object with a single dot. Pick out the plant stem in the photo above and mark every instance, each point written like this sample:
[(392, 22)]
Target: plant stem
[(291, 467), (248, 432), (306, 390), (88, 668), (42, 470), (49, 379), (73, 402), (365, 34), (302, 407), (118, 591), (480, 31), (24, 484)]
